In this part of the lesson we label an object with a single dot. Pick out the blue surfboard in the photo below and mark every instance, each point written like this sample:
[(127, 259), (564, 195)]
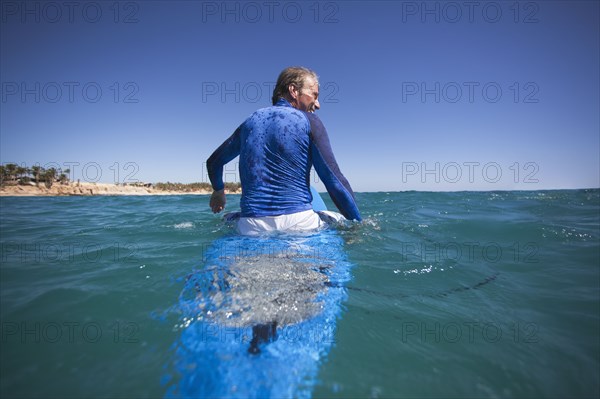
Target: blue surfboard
[(259, 318), (317, 202)]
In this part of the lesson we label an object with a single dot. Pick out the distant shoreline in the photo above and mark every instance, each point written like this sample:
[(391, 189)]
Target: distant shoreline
[(93, 189), (107, 189)]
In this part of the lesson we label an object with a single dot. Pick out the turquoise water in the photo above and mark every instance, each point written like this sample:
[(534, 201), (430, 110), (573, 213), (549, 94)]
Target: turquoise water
[(471, 294)]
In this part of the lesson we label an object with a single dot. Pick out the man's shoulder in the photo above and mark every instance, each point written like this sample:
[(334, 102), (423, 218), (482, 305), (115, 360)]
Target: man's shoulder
[(266, 111), (282, 112), (311, 116), (314, 120)]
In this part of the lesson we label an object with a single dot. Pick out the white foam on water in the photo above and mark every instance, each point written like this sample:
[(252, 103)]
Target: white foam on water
[(265, 289), (184, 225)]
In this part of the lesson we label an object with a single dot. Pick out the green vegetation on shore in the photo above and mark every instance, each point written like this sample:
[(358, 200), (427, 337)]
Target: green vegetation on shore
[(13, 174)]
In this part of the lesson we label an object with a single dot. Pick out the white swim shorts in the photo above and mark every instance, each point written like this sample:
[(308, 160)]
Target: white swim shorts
[(300, 221)]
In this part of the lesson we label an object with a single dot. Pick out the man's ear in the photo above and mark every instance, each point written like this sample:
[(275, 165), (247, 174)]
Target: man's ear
[(293, 90)]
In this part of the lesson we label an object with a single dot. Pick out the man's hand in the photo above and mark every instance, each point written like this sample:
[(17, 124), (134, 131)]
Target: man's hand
[(217, 201)]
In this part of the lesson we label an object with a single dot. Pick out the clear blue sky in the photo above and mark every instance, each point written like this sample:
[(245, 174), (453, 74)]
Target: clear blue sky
[(415, 95)]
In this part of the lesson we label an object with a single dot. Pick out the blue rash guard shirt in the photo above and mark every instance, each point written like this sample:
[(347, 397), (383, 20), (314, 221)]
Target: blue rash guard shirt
[(277, 146)]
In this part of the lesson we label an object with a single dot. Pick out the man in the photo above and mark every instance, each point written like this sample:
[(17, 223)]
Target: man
[(277, 146)]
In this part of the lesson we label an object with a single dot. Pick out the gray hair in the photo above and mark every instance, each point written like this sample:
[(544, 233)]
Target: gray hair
[(291, 76)]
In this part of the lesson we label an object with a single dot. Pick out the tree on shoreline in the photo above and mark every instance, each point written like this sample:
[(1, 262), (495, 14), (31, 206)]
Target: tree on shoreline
[(13, 174), (36, 171)]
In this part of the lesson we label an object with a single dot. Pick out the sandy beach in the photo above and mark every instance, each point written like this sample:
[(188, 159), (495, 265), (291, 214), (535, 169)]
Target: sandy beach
[(90, 189)]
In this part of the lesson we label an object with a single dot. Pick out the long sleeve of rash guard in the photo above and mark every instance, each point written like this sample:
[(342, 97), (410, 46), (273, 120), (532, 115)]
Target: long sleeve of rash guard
[(327, 168), (225, 153)]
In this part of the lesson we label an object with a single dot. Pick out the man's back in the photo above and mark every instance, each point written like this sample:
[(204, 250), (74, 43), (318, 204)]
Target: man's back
[(275, 162)]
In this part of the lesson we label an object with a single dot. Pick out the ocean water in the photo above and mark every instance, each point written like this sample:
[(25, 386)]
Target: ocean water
[(467, 294)]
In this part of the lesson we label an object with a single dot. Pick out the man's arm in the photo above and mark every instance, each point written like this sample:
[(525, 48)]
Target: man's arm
[(327, 168), (214, 165)]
